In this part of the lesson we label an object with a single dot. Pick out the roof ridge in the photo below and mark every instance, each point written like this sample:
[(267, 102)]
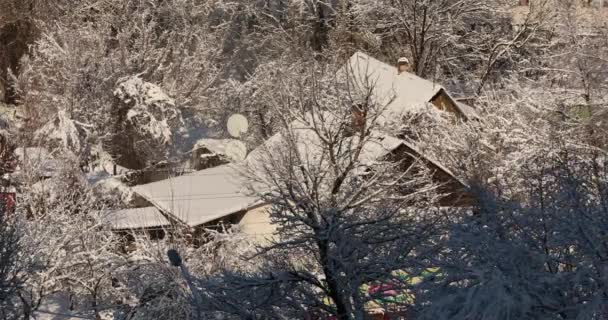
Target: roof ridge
[(408, 87)]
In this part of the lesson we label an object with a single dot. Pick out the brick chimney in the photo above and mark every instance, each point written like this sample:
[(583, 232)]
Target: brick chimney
[(358, 118), (403, 65)]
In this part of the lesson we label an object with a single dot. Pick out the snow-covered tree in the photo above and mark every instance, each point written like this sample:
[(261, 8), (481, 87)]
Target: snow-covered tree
[(139, 81), (76, 260), (538, 255), (69, 81), (13, 264), (463, 43), (347, 216), (8, 160), (70, 250)]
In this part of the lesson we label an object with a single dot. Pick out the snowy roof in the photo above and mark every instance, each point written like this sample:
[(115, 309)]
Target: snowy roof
[(217, 146), (376, 147), (309, 145), (379, 146), (201, 196), (469, 111), (108, 166), (214, 193), (108, 183), (421, 155), (399, 92), (139, 218)]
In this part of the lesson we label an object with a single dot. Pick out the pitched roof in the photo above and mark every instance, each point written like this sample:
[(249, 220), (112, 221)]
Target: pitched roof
[(310, 147), (218, 192), (214, 193), (377, 146), (217, 146), (418, 154), (469, 111), (138, 218), (399, 92), (201, 196)]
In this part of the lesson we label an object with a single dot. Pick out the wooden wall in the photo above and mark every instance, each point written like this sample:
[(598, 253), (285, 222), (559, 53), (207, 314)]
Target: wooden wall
[(443, 102), (256, 223), (456, 194)]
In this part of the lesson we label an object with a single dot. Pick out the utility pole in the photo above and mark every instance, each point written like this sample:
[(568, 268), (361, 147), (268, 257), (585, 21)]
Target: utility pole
[(176, 261)]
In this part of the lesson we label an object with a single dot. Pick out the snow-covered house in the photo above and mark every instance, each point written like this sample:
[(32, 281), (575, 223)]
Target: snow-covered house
[(208, 153), (200, 197), (146, 219), (399, 93), (223, 195), (379, 146), (206, 198)]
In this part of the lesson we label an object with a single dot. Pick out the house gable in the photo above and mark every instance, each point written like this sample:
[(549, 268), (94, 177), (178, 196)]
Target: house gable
[(455, 193), (399, 92), (444, 102)]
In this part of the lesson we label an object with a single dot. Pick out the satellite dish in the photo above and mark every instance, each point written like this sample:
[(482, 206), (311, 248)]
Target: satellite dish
[(236, 150), (237, 125)]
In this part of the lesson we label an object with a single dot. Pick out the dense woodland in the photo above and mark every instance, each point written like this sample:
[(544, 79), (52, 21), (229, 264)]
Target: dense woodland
[(139, 82)]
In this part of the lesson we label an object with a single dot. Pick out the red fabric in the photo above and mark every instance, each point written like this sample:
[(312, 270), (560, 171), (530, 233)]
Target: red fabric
[(7, 202), (384, 289)]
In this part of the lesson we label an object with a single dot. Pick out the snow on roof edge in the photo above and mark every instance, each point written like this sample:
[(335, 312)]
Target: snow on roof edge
[(435, 162), (439, 87)]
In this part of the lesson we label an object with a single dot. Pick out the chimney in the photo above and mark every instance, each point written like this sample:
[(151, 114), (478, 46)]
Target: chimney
[(358, 118), (403, 65)]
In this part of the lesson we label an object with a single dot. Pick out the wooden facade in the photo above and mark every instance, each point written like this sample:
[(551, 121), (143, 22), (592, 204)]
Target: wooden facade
[(454, 192), (443, 102)]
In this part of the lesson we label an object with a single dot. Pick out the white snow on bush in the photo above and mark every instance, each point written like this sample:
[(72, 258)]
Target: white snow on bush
[(152, 108), (144, 93), (63, 129)]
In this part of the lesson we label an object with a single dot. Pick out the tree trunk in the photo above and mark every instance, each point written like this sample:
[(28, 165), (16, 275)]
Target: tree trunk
[(342, 308)]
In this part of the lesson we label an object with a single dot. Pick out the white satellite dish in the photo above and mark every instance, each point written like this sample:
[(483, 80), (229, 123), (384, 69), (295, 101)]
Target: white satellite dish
[(237, 125), (236, 150)]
